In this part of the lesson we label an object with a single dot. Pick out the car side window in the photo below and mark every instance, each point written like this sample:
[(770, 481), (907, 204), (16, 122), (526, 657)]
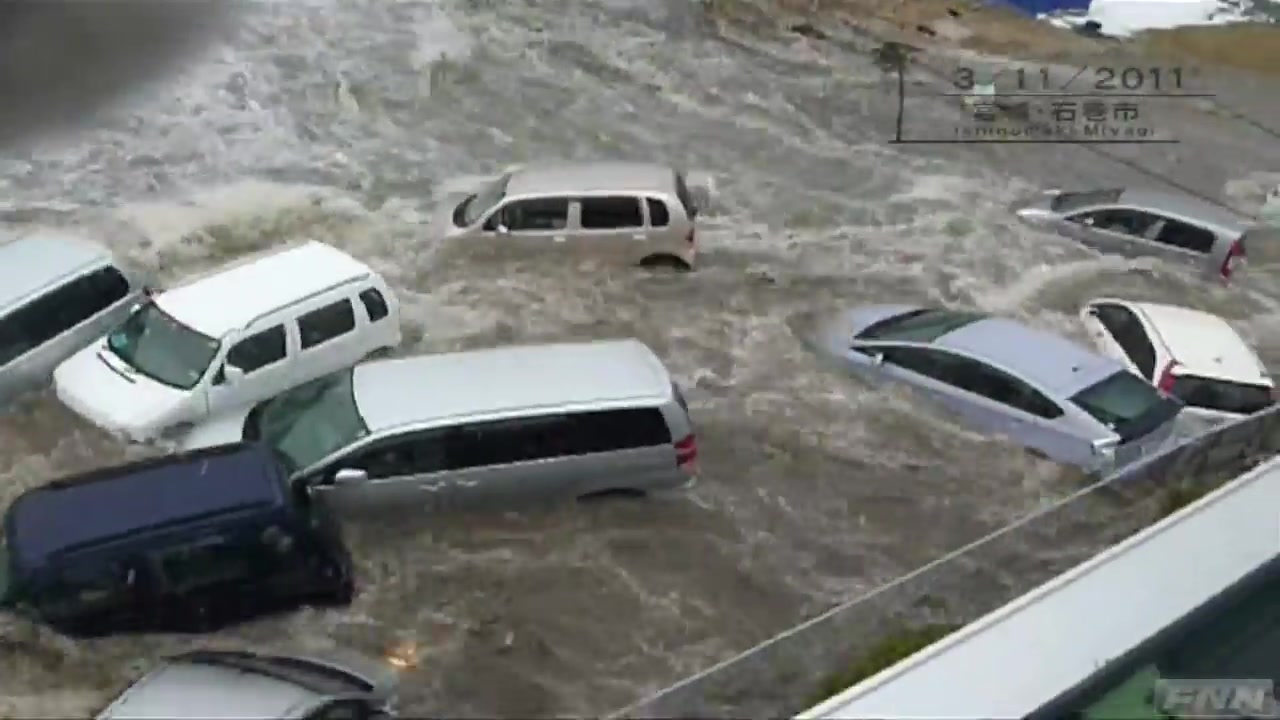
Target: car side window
[(925, 362), (86, 588), (1119, 220), (203, 564), (374, 304), (500, 442), (258, 350), (418, 453), (326, 323), (997, 385), (343, 710), (611, 213), (63, 308), (1187, 237), (611, 430), (533, 214), (659, 215), (1128, 332)]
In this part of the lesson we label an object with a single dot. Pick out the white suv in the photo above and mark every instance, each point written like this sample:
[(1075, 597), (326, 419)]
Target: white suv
[(237, 336), (1192, 355)]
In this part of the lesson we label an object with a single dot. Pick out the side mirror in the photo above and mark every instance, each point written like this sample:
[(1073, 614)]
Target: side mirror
[(347, 476), (232, 373), (1105, 447)]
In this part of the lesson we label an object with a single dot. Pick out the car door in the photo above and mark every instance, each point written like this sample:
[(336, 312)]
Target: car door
[(1185, 242), (611, 225), (504, 463), (329, 339), (205, 584), (404, 472), (1117, 230), (1118, 333), (533, 223), (262, 357)]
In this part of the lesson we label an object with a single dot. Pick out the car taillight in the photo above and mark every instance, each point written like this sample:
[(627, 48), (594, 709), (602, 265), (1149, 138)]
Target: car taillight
[(1234, 255), (1167, 377), (692, 237), (686, 451)]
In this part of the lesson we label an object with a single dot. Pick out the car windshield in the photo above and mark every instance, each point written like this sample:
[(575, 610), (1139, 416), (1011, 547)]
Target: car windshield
[(311, 421), (158, 346), (1127, 404), (1221, 395), (470, 211), (1069, 201), (919, 325)]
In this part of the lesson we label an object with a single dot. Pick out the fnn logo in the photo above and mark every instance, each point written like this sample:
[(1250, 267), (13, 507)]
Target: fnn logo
[(1216, 698)]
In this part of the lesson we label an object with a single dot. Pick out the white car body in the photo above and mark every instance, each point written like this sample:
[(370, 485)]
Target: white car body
[(1194, 355), (241, 334)]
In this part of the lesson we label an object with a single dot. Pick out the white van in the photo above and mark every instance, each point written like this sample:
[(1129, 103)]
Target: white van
[(242, 334)]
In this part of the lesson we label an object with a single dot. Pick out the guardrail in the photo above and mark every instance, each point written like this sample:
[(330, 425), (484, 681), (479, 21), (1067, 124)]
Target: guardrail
[(794, 671)]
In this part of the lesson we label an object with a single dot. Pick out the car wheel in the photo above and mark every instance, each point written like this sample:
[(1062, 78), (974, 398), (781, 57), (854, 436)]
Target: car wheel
[(664, 261), (611, 494)]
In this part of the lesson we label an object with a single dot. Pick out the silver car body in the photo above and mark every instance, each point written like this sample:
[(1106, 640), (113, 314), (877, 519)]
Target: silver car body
[(635, 212), (478, 428), (1144, 222), (1007, 379), (58, 294), (227, 685)]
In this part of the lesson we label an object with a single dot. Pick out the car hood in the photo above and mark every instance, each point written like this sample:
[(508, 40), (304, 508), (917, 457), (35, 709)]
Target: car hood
[(221, 429), (104, 390)]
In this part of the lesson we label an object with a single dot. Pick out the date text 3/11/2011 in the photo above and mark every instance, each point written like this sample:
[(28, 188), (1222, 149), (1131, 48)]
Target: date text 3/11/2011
[(1085, 79)]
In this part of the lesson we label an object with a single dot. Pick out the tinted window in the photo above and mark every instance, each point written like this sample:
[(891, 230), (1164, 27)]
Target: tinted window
[(258, 350), (607, 213), (83, 588), (974, 377), (374, 304), (538, 214), (1187, 237), (1221, 395), (343, 710), (1127, 405), (417, 454), (617, 430), (918, 325), (46, 317), (1126, 222), (1129, 334), (198, 566), (1068, 201), (327, 323), (659, 216), (535, 438)]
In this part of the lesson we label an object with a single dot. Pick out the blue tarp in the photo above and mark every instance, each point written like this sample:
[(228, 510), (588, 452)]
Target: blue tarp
[(1039, 7)]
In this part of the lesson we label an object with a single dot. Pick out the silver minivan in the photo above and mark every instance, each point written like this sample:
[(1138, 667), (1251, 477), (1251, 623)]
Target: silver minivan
[(481, 428), (57, 295), (641, 213)]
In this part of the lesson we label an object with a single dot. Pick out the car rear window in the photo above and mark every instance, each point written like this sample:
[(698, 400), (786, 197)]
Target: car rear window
[(1069, 201), (921, 326), (1221, 395), (1127, 404)]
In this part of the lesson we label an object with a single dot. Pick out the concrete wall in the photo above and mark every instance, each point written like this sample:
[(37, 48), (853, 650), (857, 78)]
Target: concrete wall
[(786, 674)]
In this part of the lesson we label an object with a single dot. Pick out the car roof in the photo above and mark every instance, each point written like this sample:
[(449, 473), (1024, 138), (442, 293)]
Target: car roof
[(232, 296), (1227, 222), (1050, 361), (1202, 343), (188, 688), (507, 380), (109, 503), (586, 177), (32, 263)]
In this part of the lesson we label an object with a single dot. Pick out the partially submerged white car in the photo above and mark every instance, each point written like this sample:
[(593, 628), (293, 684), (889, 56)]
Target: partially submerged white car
[(241, 334), (1190, 354)]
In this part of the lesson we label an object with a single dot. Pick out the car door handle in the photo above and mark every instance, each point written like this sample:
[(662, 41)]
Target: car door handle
[(637, 236)]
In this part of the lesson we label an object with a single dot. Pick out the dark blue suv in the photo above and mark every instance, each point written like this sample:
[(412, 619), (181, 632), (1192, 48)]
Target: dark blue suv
[(184, 543)]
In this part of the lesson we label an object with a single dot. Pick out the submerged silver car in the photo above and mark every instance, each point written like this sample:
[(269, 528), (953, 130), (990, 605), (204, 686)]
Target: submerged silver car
[(227, 685), (1000, 376), (1144, 222), (57, 295), (480, 428)]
